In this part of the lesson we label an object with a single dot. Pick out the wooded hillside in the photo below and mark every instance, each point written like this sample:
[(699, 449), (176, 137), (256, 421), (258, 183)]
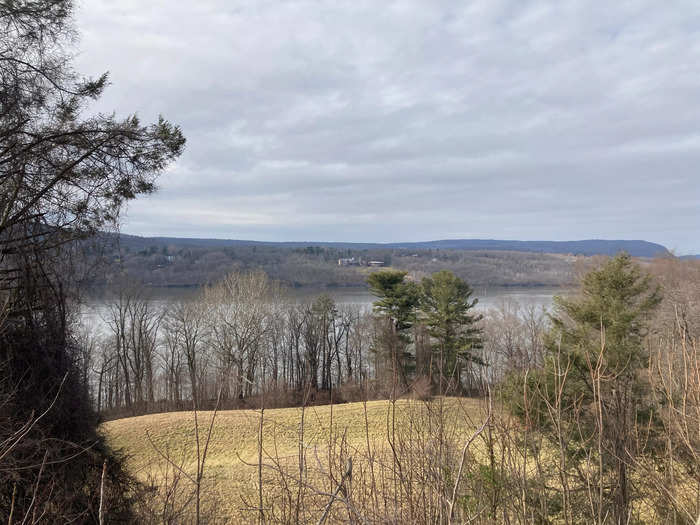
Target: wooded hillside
[(185, 262)]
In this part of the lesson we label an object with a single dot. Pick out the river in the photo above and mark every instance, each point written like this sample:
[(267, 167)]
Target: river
[(95, 308), (488, 297)]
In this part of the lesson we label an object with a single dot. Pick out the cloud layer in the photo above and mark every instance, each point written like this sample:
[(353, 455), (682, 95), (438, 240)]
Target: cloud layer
[(379, 121)]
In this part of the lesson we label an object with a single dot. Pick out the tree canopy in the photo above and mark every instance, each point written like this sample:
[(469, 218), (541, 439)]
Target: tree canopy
[(62, 172), (442, 305), (592, 392), (397, 298), (64, 175), (446, 308)]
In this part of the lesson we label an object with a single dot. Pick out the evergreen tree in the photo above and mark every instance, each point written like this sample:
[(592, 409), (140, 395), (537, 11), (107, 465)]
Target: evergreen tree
[(446, 308), (63, 176), (397, 302), (592, 390)]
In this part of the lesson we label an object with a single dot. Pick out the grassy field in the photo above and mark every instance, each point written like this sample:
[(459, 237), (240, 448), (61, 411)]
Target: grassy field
[(330, 435), (405, 460)]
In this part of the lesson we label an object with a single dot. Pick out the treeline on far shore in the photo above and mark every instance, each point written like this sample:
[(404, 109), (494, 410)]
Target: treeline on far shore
[(153, 262)]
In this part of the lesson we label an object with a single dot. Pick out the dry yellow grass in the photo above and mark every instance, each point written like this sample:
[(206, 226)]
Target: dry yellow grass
[(231, 465), (230, 485)]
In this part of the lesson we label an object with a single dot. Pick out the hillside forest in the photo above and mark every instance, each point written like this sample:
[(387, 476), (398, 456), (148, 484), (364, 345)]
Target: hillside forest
[(178, 263)]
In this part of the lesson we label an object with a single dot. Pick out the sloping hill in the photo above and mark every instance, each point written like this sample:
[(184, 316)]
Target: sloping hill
[(172, 261), (636, 248), (327, 437)]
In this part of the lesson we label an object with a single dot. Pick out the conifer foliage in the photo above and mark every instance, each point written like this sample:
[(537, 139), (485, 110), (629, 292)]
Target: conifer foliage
[(63, 177), (593, 394), (442, 305)]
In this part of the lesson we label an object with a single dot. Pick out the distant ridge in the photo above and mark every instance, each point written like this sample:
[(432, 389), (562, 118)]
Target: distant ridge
[(636, 248)]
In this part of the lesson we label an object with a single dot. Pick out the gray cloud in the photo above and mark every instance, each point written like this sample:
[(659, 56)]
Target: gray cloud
[(417, 120)]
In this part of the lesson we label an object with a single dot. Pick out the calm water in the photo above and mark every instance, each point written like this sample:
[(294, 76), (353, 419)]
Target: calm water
[(488, 297), (96, 309)]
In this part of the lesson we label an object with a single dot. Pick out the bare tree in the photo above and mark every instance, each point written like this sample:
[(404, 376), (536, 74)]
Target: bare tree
[(241, 308), (187, 324)]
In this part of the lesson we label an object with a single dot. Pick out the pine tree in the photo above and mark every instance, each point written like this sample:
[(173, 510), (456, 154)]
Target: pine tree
[(64, 175), (592, 390), (446, 309), (396, 304)]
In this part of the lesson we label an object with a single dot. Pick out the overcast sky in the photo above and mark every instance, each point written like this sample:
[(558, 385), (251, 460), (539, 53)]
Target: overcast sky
[(400, 121)]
